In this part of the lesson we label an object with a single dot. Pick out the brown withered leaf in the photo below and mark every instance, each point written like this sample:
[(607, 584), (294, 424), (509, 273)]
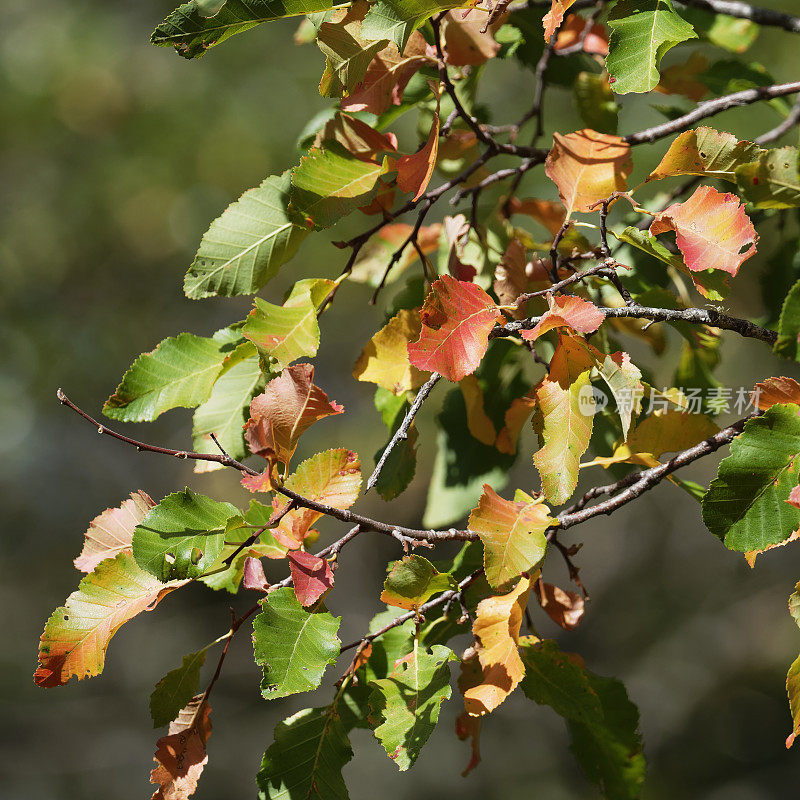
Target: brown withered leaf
[(181, 754), (565, 608)]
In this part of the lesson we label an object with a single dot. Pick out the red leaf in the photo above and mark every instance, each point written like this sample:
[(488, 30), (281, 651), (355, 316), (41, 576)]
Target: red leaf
[(570, 311), (312, 576), (554, 17), (414, 172), (711, 229), (456, 320), (289, 405), (181, 754), (254, 577)]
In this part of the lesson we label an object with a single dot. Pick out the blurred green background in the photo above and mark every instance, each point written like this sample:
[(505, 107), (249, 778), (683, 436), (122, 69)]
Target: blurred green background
[(114, 158)]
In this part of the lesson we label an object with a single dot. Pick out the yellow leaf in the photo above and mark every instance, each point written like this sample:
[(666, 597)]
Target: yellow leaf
[(478, 422)]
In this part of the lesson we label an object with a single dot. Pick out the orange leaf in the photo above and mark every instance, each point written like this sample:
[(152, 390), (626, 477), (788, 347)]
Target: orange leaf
[(712, 230), (289, 405), (775, 390), (332, 477), (112, 531), (549, 214), (356, 137), (456, 320), (516, 416), (464, 43), (595, 42), (181, 754), (554, 17), (77, 635), (496, 628), (564, 608), (312, 576), (567, 311), (587, 167), (478, 422), (384, 361), (414, 172), (387, 76)]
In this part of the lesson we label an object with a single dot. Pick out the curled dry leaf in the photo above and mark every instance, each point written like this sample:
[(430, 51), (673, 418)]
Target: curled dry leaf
[(565, 608), (711, 229), (587, 167), (181, 754), (456, 320), (773, 391)]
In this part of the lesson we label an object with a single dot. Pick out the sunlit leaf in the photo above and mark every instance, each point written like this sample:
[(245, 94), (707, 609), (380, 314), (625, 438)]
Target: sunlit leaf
[(412, 581), (566, 311), (414, 172)]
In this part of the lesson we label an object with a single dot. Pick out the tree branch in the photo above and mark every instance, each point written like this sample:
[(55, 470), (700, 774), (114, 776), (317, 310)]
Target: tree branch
[(734, 8)]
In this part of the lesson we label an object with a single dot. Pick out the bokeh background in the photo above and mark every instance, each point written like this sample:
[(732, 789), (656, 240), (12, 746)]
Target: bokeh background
[(114, 158)]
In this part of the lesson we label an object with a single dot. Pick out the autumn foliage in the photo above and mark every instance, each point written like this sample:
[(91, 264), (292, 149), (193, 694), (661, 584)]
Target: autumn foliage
[(513, 315)]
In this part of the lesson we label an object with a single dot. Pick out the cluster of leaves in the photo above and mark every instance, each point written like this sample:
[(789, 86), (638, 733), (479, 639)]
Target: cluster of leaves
[(528, 318)]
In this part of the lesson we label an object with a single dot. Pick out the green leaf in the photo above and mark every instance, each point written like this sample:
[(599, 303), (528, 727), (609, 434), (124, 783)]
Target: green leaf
[(226, 411), (745, 506), (294, 646), (198, 25), (282, 334), (595, 102), (183, 536), (244, 247), (772, 181), (412, 581), (730, 33), (711, 283), (602, 720), (642, 31), (405, 707), (330, 183), (789, 326), (794, 604), (793, 693), (400, 467), (347, 57), (396, 20), (306, 759), (180, 372), (176, 689)]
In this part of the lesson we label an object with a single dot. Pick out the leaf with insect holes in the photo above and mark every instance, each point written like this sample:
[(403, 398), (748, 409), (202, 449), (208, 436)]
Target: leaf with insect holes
[(496, 629), (311, 576), (554, 17), (182, 536), (307, 757), (198, 25), (384, 361), (330, 183), (180, 372), (773, 180), (332, 477), (602, 722), (512, 532), (706, 152), (404, 708), (279, 416), (587, 167), (111, 532), (566, 311), (642, 31), (77, 634), (181, 754), (712, 230), (293, 645), (176, 689), (745, 506), (414, 172), (387, 76), (456, 320), (244, 247), (412, 581)]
